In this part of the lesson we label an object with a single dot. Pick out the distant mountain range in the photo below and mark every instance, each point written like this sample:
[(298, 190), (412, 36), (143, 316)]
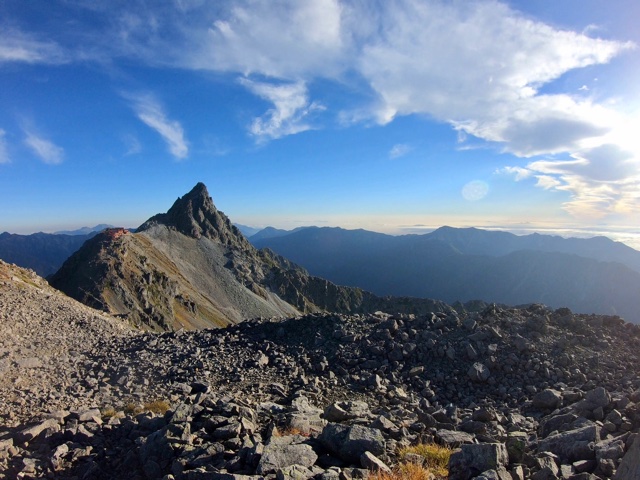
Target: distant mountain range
[(593, 275), (85, 230), (451, 265), (41, 252)]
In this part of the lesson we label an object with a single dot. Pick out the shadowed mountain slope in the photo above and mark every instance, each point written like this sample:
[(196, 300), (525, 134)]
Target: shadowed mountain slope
[(41, 252), (191, 268), (466, 264)]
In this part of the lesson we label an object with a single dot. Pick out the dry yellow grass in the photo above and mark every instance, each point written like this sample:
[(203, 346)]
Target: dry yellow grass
[(406, 471), (108, 412), (157, 406), (436, 457)]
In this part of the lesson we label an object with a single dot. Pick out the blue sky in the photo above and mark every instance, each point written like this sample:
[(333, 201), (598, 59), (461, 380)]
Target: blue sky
[(395, 116)]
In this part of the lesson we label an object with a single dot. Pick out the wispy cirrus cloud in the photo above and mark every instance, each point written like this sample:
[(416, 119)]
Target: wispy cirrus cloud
[(399, 150), (149, 110), (132, 145), (17, 46), (42, 147), (290, 112), (600, 181), (4, 152)]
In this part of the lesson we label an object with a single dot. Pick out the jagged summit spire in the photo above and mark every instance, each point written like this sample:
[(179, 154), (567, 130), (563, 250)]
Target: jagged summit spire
[(196, 216)]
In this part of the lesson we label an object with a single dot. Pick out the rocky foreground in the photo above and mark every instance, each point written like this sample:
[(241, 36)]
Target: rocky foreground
[(518, 393)]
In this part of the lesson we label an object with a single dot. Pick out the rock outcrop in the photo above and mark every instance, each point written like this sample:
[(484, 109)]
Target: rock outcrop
[(191, 268)]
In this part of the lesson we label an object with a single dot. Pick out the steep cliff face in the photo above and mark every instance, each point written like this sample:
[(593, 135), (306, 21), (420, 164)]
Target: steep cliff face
[(191, 268)]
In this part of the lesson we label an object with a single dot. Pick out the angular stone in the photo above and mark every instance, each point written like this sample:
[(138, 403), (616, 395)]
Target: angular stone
[(294, 472), (228, 431), (516, 446), (90, 416), (349, 443), (30, 433), (548, 399), (453, 438), (629, 468), (479, 372), (596, 398), (474, 459), (373, 463), (280, 452), (572, 445), (347, 410)]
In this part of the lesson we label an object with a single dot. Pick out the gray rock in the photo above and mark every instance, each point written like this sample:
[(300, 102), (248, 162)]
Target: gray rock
[(596, 398), (629, 468), (548, 399), (349, 443), (453, 438), (474, 459), (347, 410), (479, 372), (30, 433), (373, 463), (516, 446), (354, 474), (497, 474), (573, 445), (281, 452), (294, 472)]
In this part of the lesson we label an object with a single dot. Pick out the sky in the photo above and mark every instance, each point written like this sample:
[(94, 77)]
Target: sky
[(396, 116)]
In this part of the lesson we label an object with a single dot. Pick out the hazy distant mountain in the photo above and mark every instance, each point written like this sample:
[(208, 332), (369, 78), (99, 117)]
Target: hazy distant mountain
[(475, 241), (271, 232), (85, 230), (465, 264), (190, 267), (246, 231), (42, 252)]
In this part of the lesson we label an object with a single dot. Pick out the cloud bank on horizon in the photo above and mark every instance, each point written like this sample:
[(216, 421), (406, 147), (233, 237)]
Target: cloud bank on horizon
[(482, 67)]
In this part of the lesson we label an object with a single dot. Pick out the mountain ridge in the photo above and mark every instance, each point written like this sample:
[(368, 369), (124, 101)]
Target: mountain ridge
[(463, 265), (191, 268)]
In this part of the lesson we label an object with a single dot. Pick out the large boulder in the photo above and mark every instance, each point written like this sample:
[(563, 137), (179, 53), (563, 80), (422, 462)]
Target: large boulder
[(629, 468), (474, 459), (283, 452), (346, 410), (548, 399), (573, 445), (350, 442)]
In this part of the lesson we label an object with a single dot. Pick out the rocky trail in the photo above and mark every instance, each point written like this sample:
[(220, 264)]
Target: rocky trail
[(517, 393)]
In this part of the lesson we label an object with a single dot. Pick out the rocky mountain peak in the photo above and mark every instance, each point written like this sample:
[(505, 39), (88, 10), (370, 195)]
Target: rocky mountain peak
[(196, 216)]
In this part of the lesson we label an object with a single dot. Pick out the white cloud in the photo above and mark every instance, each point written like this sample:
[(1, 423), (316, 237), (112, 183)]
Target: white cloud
[(284, 39), (132, 144), (600, 181), (399, 150), (291, 108), (480, 66), (16, 46), (48, 151), (547, 182), (149, 110), (4, 153), (519, 173)]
